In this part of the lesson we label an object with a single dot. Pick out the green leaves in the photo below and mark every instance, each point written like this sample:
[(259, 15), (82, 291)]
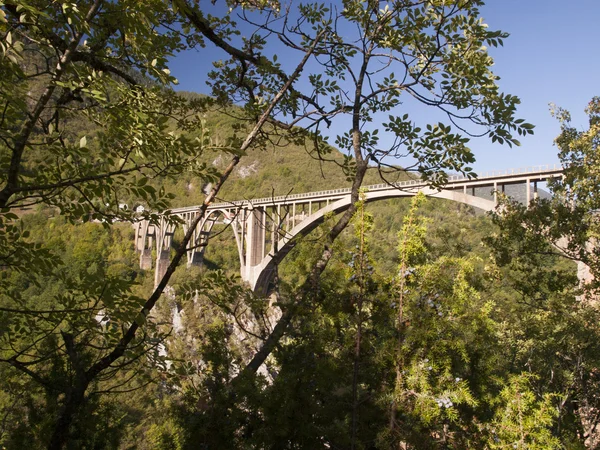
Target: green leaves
[(536, 248), (523, 421)]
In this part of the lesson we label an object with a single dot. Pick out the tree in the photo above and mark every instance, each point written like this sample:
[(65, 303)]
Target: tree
[(368, 61), (537, 246), (445, 354), (107, 62)]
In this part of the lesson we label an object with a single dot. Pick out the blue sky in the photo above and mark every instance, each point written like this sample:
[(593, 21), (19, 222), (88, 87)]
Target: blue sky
[(549, 57)]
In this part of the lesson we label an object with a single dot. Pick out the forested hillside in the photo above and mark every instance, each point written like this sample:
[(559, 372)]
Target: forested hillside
[(407, 324)]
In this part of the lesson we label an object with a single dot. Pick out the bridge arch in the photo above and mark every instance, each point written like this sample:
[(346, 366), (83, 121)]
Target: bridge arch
[(260, 276), (199, 241)]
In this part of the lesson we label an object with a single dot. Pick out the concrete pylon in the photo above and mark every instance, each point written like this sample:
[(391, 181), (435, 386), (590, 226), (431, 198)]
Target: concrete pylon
[(144, 234), (164, 237), (255, 241)]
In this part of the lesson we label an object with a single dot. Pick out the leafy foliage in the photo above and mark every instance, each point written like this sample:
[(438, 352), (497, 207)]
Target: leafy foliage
[(537, 247), (359, 349)]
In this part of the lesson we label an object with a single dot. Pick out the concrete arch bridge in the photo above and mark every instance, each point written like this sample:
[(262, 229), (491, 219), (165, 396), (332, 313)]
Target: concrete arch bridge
[(265, 228)]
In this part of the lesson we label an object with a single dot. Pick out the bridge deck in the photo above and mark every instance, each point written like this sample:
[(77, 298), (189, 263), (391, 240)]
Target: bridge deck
[(492, 178)]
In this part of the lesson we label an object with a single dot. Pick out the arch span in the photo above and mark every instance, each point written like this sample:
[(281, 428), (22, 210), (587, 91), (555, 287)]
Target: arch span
[(260, 276), (199, 241)]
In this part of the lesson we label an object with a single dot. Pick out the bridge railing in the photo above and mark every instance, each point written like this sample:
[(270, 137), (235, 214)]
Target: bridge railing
[(415, 182), (517, 171)]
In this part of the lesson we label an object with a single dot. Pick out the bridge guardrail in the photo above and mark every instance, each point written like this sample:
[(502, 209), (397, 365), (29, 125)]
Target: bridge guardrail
[(406, 183)]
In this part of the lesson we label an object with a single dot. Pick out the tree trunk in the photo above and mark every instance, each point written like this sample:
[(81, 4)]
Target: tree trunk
[(73, 402)]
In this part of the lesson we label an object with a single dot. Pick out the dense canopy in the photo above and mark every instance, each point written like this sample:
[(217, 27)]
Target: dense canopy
[(394, 325)]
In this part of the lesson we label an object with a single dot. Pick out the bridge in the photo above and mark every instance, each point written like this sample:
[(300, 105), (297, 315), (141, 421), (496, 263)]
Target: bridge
[(265, 228)]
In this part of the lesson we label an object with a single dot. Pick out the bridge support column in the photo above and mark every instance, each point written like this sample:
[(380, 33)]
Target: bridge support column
[(146, 259), (144, 234), (495, 193), (164, 236), (196, 259), (195, 252), (255, 233), (162, 263), (255, 237)]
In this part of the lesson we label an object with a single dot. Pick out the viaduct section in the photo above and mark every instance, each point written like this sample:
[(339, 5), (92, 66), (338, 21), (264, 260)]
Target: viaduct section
[(265, 228)]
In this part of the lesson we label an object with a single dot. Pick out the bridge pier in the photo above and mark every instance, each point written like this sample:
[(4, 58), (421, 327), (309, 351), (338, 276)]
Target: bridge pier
[(144, 234), (255, 240), (146, 259), (164, 237), (195, 254), (162, 264), (196, 259)]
